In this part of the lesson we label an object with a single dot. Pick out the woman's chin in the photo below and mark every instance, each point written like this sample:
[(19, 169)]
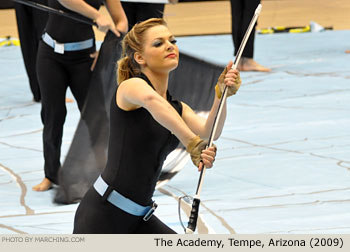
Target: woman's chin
[(173, 66)]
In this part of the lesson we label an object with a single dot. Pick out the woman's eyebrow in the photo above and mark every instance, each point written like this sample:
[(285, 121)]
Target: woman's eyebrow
[(162, 38)]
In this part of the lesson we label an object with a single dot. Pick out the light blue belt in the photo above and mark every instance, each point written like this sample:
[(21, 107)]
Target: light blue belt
[(62, 47), (124, 203)]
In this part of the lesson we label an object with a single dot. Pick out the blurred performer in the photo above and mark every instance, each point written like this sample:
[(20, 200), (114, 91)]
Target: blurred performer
[(242, 12), (65, 59), (31, 23), (141, 10)]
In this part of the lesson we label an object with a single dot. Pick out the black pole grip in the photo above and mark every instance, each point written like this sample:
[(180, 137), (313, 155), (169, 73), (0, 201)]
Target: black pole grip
[(192, 222)]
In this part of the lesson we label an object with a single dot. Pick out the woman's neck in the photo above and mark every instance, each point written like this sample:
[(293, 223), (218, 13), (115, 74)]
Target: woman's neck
[(158, 80)]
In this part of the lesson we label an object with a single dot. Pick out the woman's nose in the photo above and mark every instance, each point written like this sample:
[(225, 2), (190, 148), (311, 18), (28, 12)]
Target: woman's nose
[(170, 46)]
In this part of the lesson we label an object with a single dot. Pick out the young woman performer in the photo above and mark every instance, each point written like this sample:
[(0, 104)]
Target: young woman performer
[(64, 60), (146, 125)]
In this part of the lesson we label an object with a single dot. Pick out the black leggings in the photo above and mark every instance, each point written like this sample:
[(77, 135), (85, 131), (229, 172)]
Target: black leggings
[(242, 12), (57, 72), (31, 23), (137, 12), (97, 216)]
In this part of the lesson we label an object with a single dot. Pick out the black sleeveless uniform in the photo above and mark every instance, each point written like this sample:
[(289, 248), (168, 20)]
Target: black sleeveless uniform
[(138, 146), (56, 72)]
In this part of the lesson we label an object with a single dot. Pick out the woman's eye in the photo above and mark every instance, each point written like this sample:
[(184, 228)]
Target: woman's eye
[(173, 41), (157, 44)]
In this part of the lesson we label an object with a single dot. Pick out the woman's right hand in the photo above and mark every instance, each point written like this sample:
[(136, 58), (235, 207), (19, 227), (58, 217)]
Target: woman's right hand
[(104, 24), (200, 154)]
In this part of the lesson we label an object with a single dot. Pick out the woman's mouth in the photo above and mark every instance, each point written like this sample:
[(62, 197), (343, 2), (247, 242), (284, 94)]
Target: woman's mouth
[(171, 55)]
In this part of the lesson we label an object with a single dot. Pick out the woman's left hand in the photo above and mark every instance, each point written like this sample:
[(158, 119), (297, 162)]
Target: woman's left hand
[(230, 78), (104, 24), (207, 158)]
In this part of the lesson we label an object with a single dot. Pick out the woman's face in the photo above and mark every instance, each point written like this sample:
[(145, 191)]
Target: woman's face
[(160, 52)]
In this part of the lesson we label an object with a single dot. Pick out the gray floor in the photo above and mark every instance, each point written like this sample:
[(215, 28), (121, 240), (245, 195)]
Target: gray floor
[(283, 163)]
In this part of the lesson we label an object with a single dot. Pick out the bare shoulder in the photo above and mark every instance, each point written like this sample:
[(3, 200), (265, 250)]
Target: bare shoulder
[(130, 93), (130, 85), (132, 82)]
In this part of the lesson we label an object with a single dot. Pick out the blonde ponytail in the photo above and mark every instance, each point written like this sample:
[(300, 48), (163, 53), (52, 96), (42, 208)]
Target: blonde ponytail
[(123, 72), (127, 68), (133, 42)]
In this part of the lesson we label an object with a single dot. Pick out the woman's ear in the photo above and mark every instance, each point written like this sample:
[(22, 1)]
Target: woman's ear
[(139, 59)]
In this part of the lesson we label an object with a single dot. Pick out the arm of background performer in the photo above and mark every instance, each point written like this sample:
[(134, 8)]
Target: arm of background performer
[(117, 13), (81, 7)]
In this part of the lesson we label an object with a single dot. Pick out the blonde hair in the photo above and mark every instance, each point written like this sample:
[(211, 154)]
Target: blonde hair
[(131, 43)]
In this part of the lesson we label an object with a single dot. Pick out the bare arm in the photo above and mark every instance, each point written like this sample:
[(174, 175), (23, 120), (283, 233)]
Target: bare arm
[(202, 126), (80, 6), (135, 93), (117, 13), (83, 8)]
